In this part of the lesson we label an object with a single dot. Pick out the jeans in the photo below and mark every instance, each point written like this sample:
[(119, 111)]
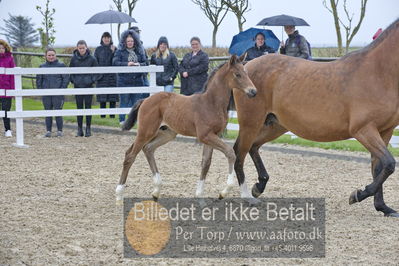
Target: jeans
[(128, 100), (53, 103), (168, 88)]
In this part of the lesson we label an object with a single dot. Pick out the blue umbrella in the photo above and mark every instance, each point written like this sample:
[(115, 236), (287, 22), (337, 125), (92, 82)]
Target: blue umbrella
[(246, 39)]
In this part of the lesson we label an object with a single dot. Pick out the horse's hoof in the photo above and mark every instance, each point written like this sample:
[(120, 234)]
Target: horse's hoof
[(255, 191), (353, 197), (253, 201), (221, 196), (392, 214), (155, 197), (202, 203)]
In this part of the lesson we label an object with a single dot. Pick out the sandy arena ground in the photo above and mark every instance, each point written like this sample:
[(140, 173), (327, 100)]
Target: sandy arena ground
[(58, 202)]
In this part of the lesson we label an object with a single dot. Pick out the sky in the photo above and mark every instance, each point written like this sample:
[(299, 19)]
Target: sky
[(180, 20)]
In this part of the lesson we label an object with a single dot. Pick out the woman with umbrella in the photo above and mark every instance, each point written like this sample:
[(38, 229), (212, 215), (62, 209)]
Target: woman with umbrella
[(260, 48)]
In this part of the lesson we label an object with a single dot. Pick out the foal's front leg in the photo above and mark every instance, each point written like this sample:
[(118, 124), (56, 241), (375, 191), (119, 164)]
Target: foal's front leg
[(215, 142), (205, 164)]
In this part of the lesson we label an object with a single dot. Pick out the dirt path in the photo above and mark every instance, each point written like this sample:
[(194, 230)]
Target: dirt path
[(58, 204)]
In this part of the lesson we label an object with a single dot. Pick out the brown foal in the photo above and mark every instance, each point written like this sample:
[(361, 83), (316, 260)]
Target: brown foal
[(204, 115)]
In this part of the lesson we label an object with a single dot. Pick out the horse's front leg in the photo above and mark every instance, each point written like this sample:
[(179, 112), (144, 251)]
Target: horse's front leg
[(205, 164), (215, 142)]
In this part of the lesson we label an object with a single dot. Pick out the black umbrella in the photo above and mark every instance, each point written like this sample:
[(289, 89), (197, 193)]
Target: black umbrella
[(110, 16), (282, 20)]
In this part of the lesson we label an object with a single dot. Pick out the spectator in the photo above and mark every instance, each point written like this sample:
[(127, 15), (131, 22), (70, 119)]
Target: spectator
[(296, 45), (6, 83), (52, 102), (104, 55), (83, 58), (145, 75), (193, 69), (166, 58), (260, 48), (129, 53)]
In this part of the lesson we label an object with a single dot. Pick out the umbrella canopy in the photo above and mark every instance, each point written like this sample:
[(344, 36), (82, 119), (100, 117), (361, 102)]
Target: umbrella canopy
[(246, 39), (109, 17), (282, 20)]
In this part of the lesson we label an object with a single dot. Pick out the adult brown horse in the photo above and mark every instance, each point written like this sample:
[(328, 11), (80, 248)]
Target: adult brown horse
[(356, 96), (203, 115)]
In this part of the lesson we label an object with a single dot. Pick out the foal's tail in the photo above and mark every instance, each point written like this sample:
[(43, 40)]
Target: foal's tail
[(132, 118)]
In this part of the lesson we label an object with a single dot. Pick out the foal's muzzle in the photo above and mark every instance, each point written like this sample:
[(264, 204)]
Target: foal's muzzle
[(251, 93)]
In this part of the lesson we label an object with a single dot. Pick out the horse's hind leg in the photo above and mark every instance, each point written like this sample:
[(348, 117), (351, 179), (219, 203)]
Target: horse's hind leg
[(130, 157), (371, 139), (268, 133), (205, 164), (164, 136), (376, 168)]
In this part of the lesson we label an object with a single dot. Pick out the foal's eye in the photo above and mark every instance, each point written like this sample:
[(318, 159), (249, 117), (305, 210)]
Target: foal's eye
[(237, 75)]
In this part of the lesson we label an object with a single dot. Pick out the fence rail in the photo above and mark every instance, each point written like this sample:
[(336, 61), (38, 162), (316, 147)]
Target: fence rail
[(19, 114)]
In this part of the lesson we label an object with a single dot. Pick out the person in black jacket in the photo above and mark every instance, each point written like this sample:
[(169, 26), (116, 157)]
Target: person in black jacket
[(130, 53), (260, 48), (104, 54), (83, 58), (56, 81), (166, 58), (193, 69)]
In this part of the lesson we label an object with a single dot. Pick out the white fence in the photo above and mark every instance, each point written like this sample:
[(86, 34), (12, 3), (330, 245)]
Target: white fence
[(19, 114), (232, 114)]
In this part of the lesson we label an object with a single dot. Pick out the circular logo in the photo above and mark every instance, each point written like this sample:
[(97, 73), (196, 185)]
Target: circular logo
[(148, 227)]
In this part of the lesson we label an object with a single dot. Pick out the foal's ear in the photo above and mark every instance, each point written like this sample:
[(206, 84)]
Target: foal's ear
[(242, 57), (233, 59)]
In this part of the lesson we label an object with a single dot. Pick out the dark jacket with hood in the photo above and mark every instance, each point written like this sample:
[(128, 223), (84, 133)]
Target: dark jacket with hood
[(87, 60), (197, 69), (256, 51), (169, 63), (121, 59), (296, 45), (56, 81), (104, 56)]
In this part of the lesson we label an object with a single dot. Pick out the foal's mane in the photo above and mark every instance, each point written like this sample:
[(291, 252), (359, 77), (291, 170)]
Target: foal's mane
[(388, 31), (210, 77)]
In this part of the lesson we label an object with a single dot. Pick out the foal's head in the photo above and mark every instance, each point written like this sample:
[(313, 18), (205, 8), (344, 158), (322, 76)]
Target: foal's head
[(238, 77)]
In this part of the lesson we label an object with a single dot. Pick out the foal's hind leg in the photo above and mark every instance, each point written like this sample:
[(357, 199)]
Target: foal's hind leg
[(164, 136), (371, 139), (376, 168), (268, 133), (205, 164)]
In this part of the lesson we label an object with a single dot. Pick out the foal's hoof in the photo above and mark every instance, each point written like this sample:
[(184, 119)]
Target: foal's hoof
[(255, 191), (392, 214), (353, 197), (155, 198), (221, 196)]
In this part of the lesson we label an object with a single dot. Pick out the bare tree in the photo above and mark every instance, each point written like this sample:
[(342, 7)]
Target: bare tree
[(118, 5), (338, 22), (238, 8), (215, 11), (47, 34), (131, 4)]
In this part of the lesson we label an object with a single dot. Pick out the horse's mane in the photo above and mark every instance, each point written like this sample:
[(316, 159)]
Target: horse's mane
[(377, 41), (205, 87)]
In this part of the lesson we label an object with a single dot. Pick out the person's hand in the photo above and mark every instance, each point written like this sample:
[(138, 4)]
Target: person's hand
[(282, 44), (113, 48), (185, 74), (133, 64)]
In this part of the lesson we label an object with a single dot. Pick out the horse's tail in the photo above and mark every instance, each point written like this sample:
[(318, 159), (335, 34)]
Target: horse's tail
[(132, 118)]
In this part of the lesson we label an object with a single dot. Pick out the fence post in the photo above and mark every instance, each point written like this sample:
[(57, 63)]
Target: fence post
[(153, 80), (19, 122)]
